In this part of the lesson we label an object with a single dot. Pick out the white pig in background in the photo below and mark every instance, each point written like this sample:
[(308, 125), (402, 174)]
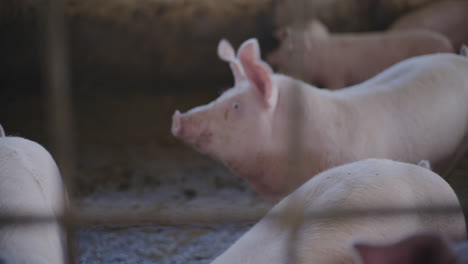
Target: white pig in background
[(449, 18), (415, 110), (373, 183), (337, 60), (30, 184), (420, 248)]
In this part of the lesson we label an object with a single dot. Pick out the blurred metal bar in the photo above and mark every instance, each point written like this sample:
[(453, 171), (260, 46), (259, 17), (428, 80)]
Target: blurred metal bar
[(180, 216), (189, 215), (296, 166), (58, 84), (59, 106)]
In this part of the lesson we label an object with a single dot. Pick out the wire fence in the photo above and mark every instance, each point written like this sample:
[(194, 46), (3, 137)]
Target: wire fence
[(180, 215), (61, 129)]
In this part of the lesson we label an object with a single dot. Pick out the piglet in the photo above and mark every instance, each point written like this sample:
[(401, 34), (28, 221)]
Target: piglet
[(290, 232), (335, 61), (30, 185), (449, 18), (414, 110), (419, 248)]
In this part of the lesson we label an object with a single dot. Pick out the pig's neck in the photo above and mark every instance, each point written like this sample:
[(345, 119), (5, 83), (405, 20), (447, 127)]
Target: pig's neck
[(275, 169), (323, 124)]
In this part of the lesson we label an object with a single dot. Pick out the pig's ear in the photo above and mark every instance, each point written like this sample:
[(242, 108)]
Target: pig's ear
[(226, 53), (425, 164), (416, 249), (258, 72), (238, 72), (464, 50)]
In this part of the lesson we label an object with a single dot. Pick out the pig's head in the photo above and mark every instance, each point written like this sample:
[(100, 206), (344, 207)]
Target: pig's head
[(236, 124), (421, 248), (297, 43)]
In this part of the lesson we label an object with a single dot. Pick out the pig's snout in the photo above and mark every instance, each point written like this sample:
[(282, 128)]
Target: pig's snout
[(176, 124), (191, 129)]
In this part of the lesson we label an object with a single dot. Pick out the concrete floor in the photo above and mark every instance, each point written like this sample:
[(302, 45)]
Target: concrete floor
[(155, 244)]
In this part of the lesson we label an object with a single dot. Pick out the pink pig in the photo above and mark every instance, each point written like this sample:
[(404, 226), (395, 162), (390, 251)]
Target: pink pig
[(361, 185), (419, 248), (414, 110), (335, 61), (30, 185), (449, 18)]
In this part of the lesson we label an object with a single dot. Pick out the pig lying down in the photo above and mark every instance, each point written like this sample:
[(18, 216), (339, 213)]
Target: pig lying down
[(420, 248), (338, 60), (412, 111), (373, 183), (30, 184), (449, 18)]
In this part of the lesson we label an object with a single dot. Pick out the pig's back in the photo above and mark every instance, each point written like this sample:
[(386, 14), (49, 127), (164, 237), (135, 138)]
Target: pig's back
[(437, 16), (385, 49), (389, 183), (408, 111), (29, 185), (412, 72), (20, 154), (368, 54), (373, 183), (447, 17)]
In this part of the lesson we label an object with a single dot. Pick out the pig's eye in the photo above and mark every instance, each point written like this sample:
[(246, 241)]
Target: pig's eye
[(235, 106)]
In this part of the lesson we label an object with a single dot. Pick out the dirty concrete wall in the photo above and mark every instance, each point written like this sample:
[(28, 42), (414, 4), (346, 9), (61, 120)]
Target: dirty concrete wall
[(169, 40)]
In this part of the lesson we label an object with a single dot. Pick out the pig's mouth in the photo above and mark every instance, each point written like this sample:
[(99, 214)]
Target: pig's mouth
[(202, 141)]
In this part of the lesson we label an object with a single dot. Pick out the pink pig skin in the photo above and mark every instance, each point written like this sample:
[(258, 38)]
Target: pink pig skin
[(449, 18), (414, 110), (373, 183), (335, 61), (419, 248), (30, 185)]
